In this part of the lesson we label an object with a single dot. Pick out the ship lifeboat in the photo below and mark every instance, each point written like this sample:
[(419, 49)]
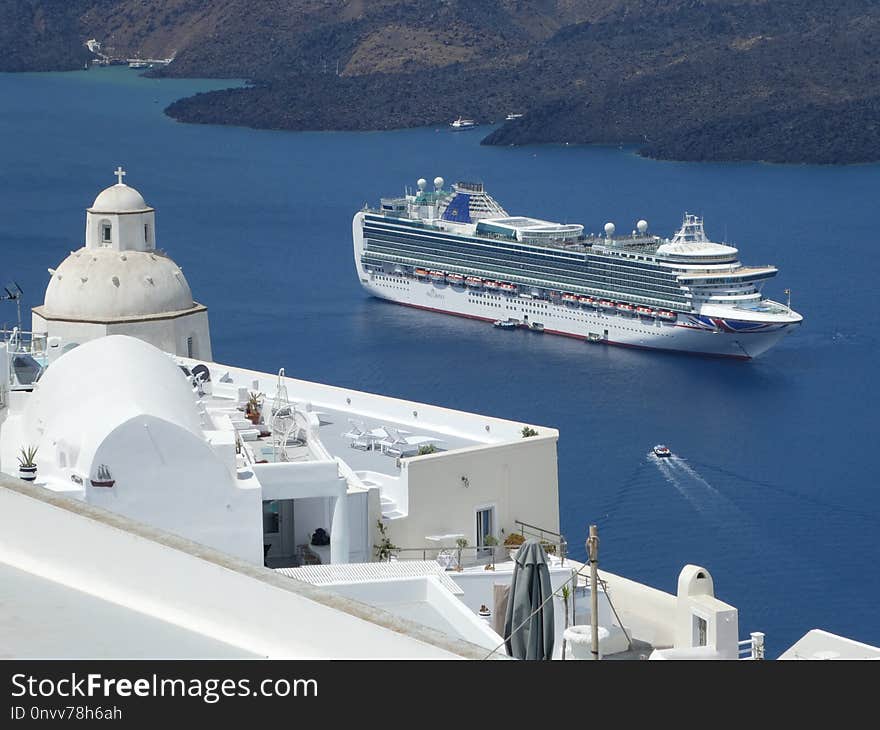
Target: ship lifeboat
[(491, 285), (625, 308), (645, 311), (586, 301), (421, 273), (455, 279), (474, 281), (438, 276), (569, 298), (667, 315), (505, 287), (607, 304)]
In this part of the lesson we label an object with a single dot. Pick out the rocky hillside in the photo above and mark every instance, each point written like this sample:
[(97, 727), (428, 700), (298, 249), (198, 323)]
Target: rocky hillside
[(780, 80)]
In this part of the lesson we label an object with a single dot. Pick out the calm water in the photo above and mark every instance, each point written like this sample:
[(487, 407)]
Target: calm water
[(773, 488)]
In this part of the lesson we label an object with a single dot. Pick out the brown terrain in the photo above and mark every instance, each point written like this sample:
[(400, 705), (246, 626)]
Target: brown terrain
[(778, 80)]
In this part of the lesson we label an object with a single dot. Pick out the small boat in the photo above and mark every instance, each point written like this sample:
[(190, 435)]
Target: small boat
[(474, 281), (625, 308), (607, 304), (438, 276), (460, 124), (505, 287), (536, 327), (512, 116), (421, 273), (138, 64), (645, 311), (569, 298), (586, 301), (662, 451), (456, 279), (491, 284), (506, 324), (667, 315)]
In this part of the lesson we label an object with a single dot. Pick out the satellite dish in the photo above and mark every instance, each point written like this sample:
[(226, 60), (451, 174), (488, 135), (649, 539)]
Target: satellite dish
[(642, 225), (201, 372), (422, 183), (609, 229)]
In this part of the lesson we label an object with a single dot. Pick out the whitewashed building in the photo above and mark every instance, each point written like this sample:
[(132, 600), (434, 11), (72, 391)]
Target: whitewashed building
[(119, 282)]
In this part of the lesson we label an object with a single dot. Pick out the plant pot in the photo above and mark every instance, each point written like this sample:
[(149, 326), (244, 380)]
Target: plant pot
[(511, 552), (28, 473)]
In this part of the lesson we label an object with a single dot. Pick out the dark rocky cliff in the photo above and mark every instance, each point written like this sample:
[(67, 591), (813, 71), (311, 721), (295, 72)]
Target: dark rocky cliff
[(777, 80)]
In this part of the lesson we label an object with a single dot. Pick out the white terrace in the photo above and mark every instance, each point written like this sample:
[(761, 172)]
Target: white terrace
[(167, 440)]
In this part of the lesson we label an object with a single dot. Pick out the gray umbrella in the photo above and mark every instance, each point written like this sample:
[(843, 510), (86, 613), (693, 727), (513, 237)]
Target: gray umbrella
[(532, 635)]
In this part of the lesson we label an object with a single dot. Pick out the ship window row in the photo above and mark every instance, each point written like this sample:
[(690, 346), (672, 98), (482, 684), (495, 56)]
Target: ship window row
[(529, 254), (551, 279), (469, 253), (489, 243), (599, 288), (560, 271), (554, 275), (651, 278), (654, 269)]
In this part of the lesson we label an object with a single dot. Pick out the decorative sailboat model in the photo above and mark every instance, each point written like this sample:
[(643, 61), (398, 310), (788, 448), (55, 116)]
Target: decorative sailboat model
[(103, 477)]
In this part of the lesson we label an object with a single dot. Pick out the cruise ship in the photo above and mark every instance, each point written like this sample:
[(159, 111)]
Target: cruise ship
[(459, 252)]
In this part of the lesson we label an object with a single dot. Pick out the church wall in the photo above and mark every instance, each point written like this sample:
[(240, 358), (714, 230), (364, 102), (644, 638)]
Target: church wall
[(169, 335)]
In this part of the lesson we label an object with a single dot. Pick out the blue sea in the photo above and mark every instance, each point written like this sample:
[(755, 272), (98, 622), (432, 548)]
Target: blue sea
[(773, 488)]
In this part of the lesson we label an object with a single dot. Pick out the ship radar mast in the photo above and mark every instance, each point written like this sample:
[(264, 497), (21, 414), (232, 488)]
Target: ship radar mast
[(691, 230)]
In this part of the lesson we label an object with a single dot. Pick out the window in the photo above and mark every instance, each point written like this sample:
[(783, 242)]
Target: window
[(700, 631), (105, 233), (146, 232), (190, 348), (485, 526)]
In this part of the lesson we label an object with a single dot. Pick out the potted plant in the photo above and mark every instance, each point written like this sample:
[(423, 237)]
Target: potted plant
[(512, 543), (528, 431), (385, 548), (254, 407), (549, 547), (27, 467), (491, 542), (461, 543)]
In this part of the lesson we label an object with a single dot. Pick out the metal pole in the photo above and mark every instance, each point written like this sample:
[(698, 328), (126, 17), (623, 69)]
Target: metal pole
[(593, 550)]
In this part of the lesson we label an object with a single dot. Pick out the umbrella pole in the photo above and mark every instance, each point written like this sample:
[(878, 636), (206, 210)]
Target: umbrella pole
[(593, 550)]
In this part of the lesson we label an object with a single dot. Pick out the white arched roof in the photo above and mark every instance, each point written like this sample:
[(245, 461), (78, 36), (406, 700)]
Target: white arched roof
[(92, 389), (119, 198), (101, 284)]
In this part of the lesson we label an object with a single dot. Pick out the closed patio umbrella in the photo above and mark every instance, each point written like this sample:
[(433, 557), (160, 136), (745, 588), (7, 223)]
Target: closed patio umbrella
[(528, 629)]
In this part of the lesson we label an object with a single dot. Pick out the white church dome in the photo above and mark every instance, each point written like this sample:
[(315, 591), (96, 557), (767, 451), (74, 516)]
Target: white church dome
[(97, 284), (119, 198)]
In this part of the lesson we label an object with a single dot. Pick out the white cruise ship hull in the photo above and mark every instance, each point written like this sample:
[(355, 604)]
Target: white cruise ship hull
[(707, 334)]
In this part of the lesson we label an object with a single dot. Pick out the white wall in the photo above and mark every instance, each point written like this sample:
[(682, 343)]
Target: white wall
[(168, 578), (518, 478), (169, 335), (167, 477)]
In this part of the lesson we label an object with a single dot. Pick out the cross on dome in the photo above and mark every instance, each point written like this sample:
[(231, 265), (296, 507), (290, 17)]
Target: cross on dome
[(120, 173)]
